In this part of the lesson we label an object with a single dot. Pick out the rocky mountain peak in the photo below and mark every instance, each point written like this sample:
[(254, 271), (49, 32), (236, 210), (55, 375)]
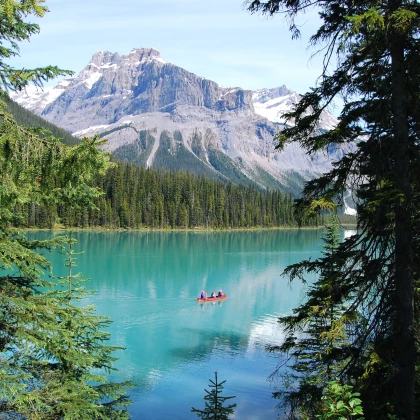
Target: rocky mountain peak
[(144, 54), (137, 56), (103, 57), (112, 86), (264, 95)]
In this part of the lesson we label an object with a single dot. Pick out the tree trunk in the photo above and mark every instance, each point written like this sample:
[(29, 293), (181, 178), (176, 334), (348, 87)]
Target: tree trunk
[(405, 344)]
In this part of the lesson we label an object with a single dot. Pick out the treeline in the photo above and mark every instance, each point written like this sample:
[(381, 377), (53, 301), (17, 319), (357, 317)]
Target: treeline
[(134, 197)]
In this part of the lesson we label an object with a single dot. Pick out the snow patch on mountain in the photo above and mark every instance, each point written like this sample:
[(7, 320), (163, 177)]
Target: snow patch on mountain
[(161, 60), (35, 98), (274, 103), (106, 66), (91, 130), (348, 210), (347, 202), (91, 79), (147, 54)]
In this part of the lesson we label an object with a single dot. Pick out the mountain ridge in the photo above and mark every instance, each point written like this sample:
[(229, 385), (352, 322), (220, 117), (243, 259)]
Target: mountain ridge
[(183, 118)]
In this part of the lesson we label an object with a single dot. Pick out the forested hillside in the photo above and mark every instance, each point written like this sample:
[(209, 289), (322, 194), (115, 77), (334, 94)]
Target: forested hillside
[(26, 118), (134, 197)]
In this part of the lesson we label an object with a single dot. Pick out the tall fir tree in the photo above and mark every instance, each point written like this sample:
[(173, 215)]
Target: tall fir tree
[(377, 45)]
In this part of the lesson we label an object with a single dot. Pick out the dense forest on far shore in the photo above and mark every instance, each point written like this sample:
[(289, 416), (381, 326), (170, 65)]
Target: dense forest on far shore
[(134, 197)]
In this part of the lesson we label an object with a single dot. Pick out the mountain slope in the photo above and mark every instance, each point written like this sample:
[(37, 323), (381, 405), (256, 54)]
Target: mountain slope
[(29, 119)]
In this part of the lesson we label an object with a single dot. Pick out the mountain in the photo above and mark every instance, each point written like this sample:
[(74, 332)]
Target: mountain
[(157, 114)]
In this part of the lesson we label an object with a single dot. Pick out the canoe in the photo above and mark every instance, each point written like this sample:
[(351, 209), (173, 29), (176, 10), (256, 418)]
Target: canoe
[(210, 299)]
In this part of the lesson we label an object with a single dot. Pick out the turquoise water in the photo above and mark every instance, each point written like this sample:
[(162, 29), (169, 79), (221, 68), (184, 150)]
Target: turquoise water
[(148, 284)]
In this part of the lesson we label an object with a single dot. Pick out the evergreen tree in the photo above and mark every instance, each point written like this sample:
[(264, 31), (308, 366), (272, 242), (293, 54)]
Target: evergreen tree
[(214, 408), (80, 355), (322, 352), (48, 346), (377, 46)]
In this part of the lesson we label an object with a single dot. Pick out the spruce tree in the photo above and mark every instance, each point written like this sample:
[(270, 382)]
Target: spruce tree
[(377, 54), (213, 400)]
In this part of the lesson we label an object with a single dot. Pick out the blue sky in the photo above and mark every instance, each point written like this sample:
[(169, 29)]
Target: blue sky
[(215, 39)]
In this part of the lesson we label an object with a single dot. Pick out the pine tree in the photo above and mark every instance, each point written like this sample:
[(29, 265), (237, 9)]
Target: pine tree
[(214, 408)]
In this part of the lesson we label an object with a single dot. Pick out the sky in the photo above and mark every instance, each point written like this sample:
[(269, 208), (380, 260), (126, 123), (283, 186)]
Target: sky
[(216, 39)]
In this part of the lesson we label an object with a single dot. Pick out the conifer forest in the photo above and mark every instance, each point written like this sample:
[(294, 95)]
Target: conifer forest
[(133, 197)]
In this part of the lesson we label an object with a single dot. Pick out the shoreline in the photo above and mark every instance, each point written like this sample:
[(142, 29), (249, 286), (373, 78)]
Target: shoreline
[(197, 229)]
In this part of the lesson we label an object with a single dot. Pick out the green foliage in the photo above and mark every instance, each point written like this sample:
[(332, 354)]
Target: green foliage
[(376, 46), (340, 402), (137, 152), (53, 357), (40, 374), (214, 408), (173, 155), (80, 354), (226, 166), (324, 349)]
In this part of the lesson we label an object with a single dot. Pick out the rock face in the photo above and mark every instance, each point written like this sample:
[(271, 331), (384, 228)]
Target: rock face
[(157, 114), (113, 86)]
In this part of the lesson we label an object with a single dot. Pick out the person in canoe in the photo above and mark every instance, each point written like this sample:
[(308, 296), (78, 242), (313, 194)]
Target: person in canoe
[(203, 295), (213, 295), (220, 294)]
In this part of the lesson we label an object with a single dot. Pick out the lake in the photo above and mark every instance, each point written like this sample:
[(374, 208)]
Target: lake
[(147, 282)]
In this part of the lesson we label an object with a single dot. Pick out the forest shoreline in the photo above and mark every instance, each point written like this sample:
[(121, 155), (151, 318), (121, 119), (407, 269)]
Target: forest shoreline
[(198, 229)]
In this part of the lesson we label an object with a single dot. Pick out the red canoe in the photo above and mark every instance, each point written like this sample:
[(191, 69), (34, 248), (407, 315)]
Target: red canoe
[(210, 299)]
